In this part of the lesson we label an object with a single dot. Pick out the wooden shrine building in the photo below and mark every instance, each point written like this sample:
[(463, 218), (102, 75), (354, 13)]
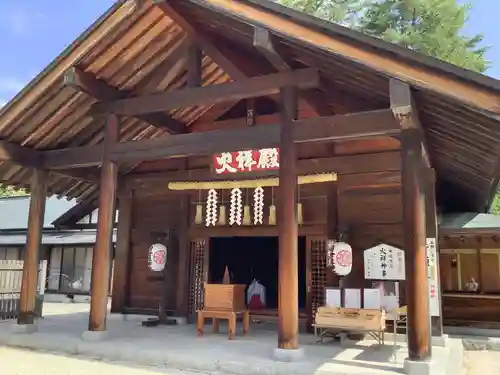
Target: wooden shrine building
[(162, 108)]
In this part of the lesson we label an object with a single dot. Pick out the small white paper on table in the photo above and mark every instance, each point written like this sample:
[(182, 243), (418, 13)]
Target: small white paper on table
[(333, 297), (372, 298), (352, 298)]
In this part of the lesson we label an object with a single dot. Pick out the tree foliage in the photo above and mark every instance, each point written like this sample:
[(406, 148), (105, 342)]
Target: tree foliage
[(432, 27), (495, 206), (9, 191), (344, 12)]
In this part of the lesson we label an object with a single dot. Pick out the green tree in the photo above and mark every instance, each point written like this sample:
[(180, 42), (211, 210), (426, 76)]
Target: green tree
[(344, 12), (9, 191), (431, 27), (495, 206)]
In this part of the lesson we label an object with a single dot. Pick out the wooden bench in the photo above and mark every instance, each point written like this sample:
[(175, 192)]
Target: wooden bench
[(332, 321), (228, 315)]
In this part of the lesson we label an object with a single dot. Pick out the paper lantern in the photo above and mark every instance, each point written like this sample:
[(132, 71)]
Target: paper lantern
[(341, 258), (157, 258)]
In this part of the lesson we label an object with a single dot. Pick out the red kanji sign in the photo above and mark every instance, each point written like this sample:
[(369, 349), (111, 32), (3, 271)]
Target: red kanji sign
[(265, 159)]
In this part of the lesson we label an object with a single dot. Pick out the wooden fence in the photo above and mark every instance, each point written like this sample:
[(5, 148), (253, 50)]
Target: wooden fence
[(11, 274)]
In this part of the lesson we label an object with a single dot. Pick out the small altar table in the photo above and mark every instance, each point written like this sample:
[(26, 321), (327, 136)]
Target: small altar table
[(228, 315)]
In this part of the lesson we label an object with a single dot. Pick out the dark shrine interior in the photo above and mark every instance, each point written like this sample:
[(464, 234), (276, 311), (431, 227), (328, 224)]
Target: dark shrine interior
[(249, 257)]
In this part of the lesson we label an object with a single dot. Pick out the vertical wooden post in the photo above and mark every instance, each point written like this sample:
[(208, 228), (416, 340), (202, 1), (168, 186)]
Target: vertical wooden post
[(431, 228), (418, 319), (105, 221), (122, 253), (184, 261), (31, 252), (288, 290)]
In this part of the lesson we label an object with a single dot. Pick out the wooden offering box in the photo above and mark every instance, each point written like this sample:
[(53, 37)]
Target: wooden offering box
[(228, 297)]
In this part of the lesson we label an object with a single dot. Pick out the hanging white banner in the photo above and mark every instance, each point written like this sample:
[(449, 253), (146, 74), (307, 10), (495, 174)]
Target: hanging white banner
[(157, 258), (432, 275)]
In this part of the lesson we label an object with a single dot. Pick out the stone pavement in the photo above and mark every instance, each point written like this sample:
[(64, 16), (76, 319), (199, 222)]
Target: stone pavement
[(482, 363), (178, 347), (27, 362)]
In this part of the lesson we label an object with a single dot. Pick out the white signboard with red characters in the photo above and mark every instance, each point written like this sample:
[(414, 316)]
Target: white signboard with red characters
[(265, 159), (157, 257), (340, 257)]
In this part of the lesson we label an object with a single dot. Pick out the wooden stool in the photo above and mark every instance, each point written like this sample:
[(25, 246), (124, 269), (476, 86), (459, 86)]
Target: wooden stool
[(230, 316)]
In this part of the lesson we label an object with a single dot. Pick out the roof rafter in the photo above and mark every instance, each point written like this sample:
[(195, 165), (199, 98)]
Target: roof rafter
[(102, 91), (221, 53)]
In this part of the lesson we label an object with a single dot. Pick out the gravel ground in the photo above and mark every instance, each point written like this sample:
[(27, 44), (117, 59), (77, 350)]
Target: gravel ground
[(482, 363), (24, 362)]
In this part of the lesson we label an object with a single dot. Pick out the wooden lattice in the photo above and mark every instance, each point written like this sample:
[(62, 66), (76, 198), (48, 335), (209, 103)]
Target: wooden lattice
[(198, 249), (317, 248)]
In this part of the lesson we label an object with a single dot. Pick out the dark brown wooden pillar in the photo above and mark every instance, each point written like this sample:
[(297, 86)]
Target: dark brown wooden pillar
[(288, 290), (104, 241), (120, 289), (432, 231), (184, 261), (31, 252), (417, 300)]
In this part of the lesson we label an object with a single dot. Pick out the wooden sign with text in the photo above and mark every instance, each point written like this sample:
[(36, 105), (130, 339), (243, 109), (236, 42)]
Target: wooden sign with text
[(265, 159)]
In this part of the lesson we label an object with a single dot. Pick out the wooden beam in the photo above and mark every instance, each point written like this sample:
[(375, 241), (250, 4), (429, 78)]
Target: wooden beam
[(101, 261), (213, 94), (288, 228), (417, 286), (36, 216), (419, 75), (342, 165), (23, 156), (102, 91), (405, 111), (263, 42), (320, 129), (194, 66)]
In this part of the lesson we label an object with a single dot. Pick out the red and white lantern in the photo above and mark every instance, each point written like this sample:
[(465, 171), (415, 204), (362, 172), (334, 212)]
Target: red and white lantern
[(340, 257), (157, 258)]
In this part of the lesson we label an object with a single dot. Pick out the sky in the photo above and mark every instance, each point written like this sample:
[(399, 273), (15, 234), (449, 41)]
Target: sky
[(34, 32)]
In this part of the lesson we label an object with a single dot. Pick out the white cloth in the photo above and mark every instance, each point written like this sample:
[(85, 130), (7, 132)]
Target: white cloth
[(256, 289)]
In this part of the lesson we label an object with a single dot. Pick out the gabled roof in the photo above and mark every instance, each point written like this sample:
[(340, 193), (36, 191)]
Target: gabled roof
[(136, 47), (14, 212)]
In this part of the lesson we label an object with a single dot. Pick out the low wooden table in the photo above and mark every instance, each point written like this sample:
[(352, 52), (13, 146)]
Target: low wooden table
[(228, 315)]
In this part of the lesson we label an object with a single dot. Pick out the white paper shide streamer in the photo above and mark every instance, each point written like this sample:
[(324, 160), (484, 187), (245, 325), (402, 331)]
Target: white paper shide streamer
[(211, 216), (236, 210), (258, 206)]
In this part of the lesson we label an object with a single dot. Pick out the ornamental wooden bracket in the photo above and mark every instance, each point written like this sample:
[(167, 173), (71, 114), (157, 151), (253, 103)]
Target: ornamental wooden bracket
[(406, 113)]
